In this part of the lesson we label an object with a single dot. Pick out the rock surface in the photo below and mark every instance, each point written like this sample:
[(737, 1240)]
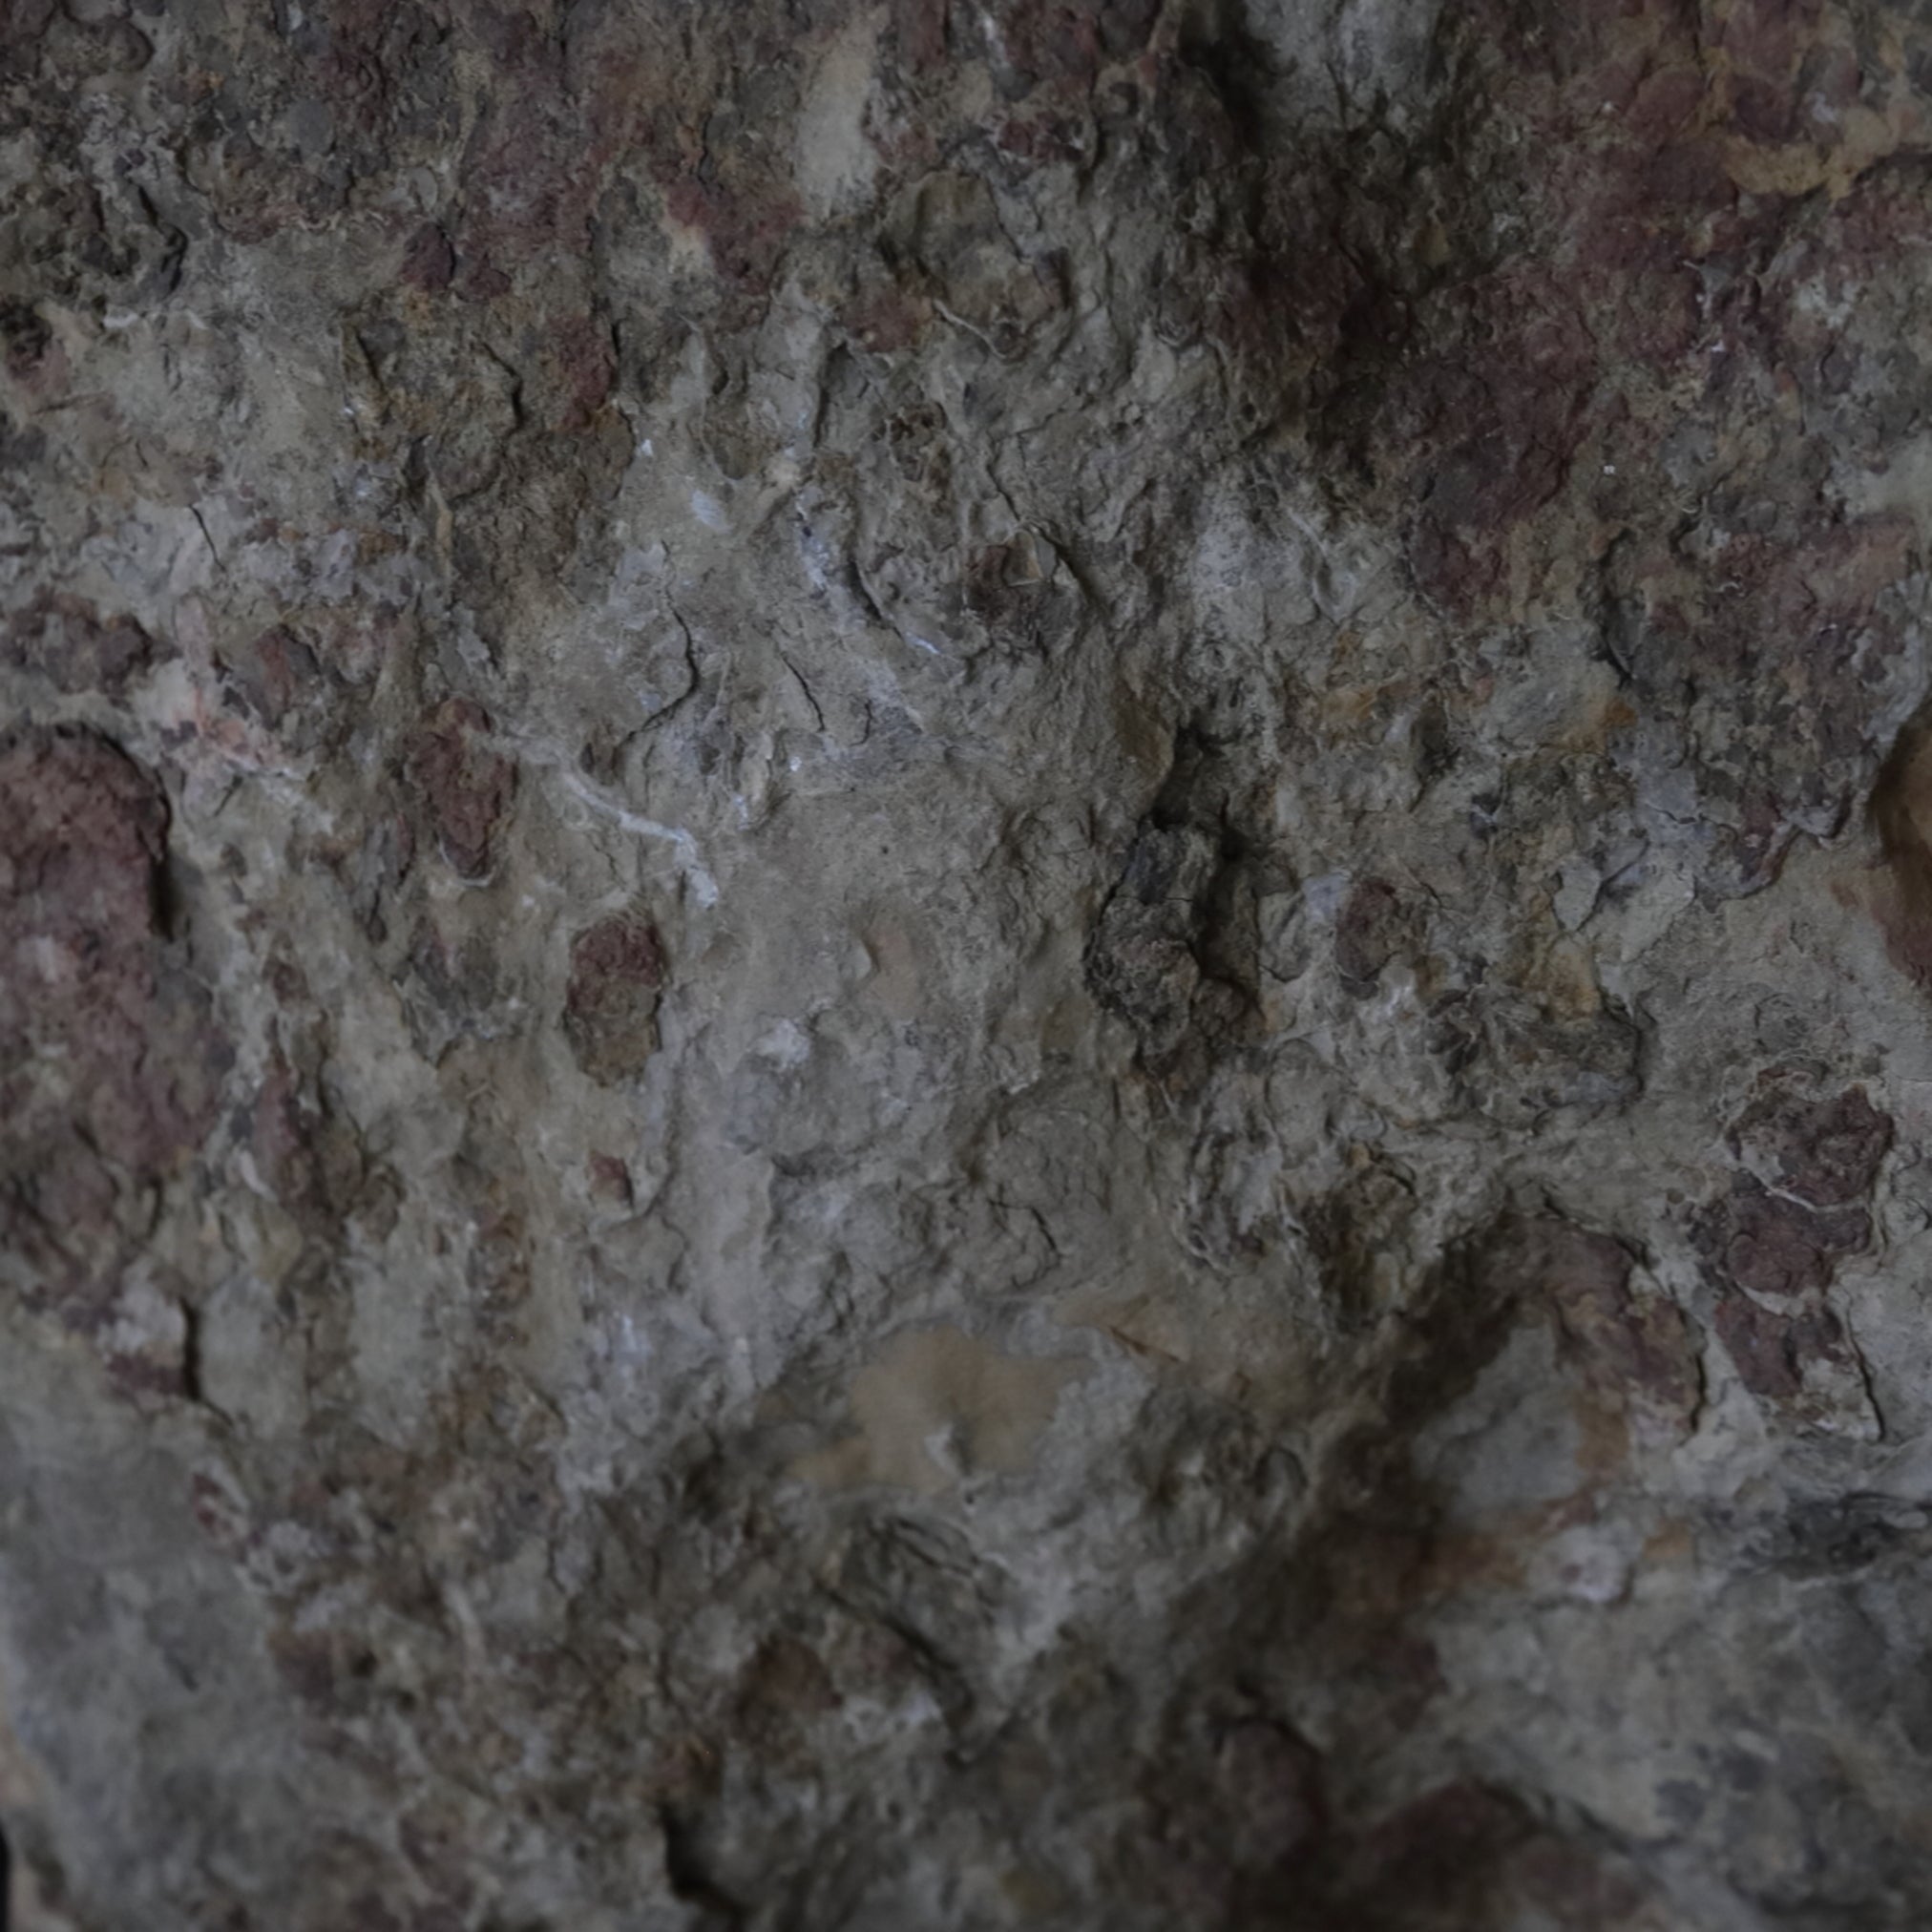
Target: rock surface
[(965, 966)]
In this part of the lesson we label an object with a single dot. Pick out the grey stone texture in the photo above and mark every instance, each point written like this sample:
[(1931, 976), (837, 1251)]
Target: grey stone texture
[(964, 964)]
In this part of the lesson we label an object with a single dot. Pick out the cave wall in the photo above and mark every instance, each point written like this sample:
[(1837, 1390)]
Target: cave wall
[(965, 965)]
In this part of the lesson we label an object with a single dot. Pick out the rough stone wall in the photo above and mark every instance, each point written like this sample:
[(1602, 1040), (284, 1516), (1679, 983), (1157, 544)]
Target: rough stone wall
[(965, 965)]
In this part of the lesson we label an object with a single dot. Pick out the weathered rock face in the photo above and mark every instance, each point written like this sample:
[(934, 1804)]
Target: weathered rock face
[(965, 965)]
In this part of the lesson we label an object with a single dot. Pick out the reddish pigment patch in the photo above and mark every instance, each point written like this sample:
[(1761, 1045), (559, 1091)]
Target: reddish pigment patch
[(616, 971), (1827, 1152), (888, 319), (747, 232), (272, 672), (429, 261), (919, 31), (1770, 1246), (465, 788), (1771, 1349), (1368, 931), (69, 642), (79, 922), (1633, 1354), (1629, 1347), (610, 1180), (109, 1072), (585, 368)]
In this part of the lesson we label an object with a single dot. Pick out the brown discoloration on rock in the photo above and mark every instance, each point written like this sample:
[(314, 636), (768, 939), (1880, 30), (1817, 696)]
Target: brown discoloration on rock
[(1633, 1351), (1445, 1846), (939, 1389), (785, 1687), (1231, 1817), (1468, 1853)]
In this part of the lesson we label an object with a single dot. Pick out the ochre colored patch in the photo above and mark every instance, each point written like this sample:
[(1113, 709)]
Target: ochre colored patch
[(938, 1398)]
